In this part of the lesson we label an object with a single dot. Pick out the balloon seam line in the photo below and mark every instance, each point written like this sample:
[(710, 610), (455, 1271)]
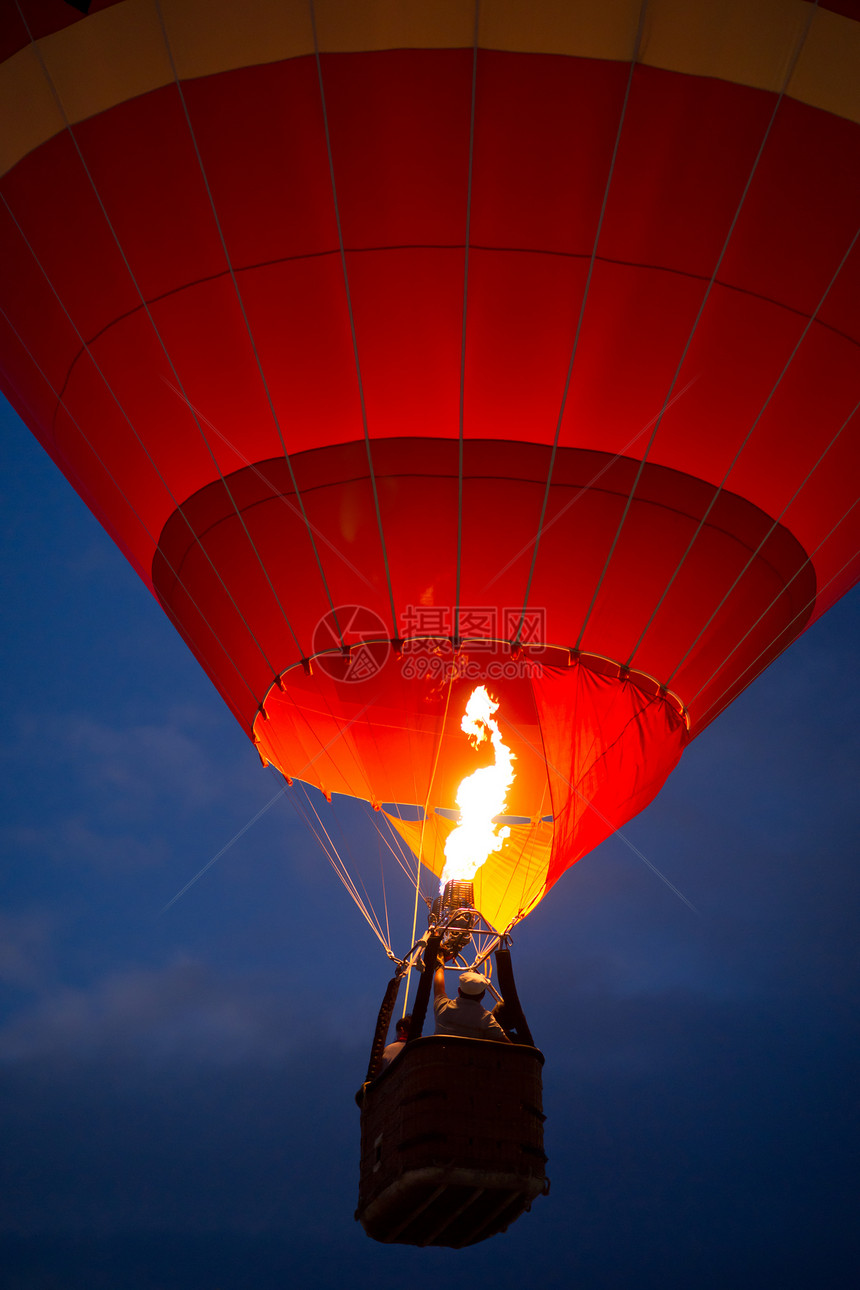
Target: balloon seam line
[(97, 195), (581, 318), (351, 315), (789, 73), (462, 399), (71, 471), (810, 604), (247, 322), (60, 402), (732, 465)]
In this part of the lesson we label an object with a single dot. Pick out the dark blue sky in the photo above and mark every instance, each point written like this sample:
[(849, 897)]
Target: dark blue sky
[(176, 1090)]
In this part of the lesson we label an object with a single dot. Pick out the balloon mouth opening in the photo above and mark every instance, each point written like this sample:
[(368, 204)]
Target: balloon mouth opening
[(334, 669)]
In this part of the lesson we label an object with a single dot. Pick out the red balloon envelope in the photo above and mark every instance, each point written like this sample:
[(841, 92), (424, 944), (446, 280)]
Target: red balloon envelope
[(404, 347)]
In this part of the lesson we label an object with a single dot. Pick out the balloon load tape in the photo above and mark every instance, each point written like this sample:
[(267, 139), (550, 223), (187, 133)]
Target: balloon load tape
[(454, 914)]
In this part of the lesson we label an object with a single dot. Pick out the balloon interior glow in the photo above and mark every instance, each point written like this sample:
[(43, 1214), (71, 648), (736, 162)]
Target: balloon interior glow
[(481, 795)]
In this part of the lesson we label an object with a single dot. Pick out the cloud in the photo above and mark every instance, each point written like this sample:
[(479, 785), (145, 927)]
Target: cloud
[(184, 1013), (24, 948), (73, 841), (185, 759), (138, 763), (113, 794)]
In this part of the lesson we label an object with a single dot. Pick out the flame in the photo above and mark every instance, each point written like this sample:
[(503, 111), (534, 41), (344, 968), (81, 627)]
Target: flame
[(481, 796)]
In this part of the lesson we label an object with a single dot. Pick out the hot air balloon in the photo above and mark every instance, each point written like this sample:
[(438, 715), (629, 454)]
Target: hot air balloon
[(407, 348)]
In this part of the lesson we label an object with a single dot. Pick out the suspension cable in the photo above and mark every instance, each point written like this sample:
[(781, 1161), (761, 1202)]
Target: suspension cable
[(585, 488), (615, 830), (350, 311), (809, 604), (241, 302), (85, 347), (330, 851), (579, 322), (274, 489), (800, 614), (358, 880), (401, 857), (424, 813), (68, 125), (72, 471), (462, 404), (776, 385), (713, 278), (382, 881)]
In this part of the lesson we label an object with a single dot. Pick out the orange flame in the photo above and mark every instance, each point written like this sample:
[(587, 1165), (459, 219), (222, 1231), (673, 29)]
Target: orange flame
[(481, 796)]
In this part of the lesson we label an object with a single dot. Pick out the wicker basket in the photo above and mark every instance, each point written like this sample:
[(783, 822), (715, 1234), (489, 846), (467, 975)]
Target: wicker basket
[(451, 1142)]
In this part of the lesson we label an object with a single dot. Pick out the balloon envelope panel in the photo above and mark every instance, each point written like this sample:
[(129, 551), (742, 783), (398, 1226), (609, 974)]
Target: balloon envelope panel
[(405, 330)]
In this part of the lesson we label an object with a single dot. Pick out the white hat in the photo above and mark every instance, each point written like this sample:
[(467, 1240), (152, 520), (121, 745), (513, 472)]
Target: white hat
[(473, 983)]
